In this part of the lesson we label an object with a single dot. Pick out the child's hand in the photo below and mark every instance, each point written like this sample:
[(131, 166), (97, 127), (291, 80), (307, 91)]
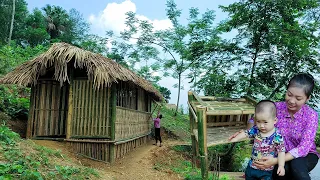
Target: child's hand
[(281, 171), (232, 137)]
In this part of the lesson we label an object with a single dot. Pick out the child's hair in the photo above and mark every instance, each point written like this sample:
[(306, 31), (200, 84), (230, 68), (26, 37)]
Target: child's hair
[(160, 116), (304, 81), (266, 105)]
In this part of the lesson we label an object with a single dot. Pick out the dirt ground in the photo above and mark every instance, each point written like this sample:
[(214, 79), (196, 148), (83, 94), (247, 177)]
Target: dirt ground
[(136, 165)]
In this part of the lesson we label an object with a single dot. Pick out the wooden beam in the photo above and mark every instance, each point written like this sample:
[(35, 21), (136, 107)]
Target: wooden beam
[(194, 132), (202, 133), (215, 124)]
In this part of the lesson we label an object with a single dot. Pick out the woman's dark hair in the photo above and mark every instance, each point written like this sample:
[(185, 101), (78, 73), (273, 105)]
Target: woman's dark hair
[(160, 116), (304, 81)]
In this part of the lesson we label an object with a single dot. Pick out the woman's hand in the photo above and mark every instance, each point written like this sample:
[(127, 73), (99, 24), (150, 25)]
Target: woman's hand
[(265, 162)]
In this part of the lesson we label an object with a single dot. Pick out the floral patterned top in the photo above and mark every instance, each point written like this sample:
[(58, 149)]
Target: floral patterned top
[(265, 146), (299, 132)]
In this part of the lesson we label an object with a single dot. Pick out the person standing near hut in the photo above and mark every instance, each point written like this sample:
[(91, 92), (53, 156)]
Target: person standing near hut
[(157, 128)]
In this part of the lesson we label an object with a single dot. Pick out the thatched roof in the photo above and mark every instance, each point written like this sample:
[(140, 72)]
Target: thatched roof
[(101, 70)]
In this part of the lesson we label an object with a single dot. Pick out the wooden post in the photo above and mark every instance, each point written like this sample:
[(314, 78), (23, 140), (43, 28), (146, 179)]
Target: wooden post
[(202, 136), (113, 104), (31, 114), (70, 106), (192, 123)]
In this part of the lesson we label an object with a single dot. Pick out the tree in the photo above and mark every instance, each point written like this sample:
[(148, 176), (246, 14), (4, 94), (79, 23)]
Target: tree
[(35, 32), (20, 13), (274, 43), (12, 20), (180, 42)]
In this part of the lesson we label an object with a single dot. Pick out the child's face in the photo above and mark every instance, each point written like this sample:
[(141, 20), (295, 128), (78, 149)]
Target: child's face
[(264, 122)]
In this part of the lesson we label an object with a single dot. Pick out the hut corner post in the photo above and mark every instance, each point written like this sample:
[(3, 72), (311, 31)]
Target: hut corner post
[(192, 124), (70, 106), (202, 135), (113, 102), (30, 115)]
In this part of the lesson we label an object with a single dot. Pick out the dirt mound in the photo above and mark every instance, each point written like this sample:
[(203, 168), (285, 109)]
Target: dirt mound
[(19, 126), (136, 165)]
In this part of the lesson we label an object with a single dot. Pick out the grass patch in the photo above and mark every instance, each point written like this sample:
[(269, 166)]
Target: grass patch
[(178, 125), (22, 159), (175, 160)]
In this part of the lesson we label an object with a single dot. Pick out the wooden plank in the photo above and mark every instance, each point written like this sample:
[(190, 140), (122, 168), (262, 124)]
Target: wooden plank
[(224, 112), (215, 124)]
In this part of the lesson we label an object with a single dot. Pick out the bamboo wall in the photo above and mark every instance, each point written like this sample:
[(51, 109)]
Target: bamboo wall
[(131, 123), (48, 108), (91, 111), (100, 149), (124, 148), (94, 149)]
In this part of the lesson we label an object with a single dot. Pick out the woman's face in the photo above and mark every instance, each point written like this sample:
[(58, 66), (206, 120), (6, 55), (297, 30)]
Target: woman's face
[(295, 99)]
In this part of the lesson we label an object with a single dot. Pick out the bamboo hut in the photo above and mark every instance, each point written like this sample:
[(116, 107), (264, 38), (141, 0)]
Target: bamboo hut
[(213, 120), (99, 107)]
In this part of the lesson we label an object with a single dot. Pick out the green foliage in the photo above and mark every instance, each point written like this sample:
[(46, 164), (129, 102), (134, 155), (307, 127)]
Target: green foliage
[(8, 137), (273, 42), (25, 160), (15, 101), (178, 124)]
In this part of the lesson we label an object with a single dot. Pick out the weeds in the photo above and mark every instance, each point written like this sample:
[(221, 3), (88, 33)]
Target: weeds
[(22, 159)]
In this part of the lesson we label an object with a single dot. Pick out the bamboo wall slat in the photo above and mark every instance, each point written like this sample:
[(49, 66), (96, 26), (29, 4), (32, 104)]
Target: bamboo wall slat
[(130, 123), (48, 111), (122, 149), (91, 110), (96, 150)]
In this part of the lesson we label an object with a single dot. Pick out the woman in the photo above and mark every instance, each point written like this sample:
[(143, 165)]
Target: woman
[(157, 128), (298, 123)]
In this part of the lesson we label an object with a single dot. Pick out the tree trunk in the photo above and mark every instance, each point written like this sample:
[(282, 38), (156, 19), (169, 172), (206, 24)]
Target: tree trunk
[(179, 88), (252, 71), (12, 19)]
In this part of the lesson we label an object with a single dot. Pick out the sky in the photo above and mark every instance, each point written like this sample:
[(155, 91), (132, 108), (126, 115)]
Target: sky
[(110, 15)]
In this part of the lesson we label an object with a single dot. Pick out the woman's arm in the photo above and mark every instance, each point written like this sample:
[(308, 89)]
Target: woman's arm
[(270, 161), (307, 137)]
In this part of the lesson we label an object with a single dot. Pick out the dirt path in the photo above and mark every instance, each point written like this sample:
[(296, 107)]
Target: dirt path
[(136, 165)]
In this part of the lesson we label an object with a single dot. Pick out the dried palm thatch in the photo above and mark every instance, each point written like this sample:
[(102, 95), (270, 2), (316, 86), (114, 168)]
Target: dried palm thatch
[(101, 70)]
